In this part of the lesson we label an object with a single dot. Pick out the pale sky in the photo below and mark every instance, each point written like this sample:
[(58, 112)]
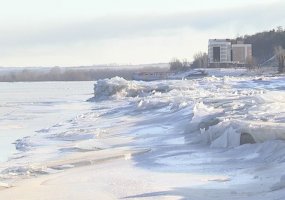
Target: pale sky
[(87, 32)]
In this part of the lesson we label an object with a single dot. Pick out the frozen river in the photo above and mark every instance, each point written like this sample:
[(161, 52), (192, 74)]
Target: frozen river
[(227, 131), (28, 107)]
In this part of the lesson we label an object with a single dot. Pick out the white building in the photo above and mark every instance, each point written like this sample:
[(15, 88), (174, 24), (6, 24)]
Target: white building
[(242, 53), (223, 53), (219, 51)]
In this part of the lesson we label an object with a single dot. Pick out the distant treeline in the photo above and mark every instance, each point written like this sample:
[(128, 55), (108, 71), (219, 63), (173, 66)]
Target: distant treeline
[(69, 74), (264, 43)]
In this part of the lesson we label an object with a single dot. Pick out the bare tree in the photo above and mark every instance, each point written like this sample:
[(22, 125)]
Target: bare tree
[(185, 64), (280, 29), (200, 60), (177, 65), (280, 55)]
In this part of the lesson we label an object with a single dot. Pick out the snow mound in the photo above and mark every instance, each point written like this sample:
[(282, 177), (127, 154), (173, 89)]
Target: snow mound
[(232, 133), (280, 185), (230, 138), (118, 87)]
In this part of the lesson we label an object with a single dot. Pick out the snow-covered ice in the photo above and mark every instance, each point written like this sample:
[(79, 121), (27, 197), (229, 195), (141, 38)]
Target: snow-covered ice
[(215, 137)]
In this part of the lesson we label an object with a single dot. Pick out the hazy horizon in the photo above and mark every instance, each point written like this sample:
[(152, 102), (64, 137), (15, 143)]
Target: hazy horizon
[(71, 33)]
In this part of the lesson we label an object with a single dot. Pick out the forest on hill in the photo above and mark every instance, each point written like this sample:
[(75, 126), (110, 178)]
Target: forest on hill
[(264, 43)]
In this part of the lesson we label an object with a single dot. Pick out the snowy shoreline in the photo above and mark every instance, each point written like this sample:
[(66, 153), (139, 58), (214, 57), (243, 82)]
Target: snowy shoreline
[(217, 137)]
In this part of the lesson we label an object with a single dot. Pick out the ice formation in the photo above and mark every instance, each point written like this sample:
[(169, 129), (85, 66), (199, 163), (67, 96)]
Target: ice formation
[(216, 124)]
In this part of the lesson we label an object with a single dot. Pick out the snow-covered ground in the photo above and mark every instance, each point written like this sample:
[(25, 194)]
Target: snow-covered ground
[(216, 137)]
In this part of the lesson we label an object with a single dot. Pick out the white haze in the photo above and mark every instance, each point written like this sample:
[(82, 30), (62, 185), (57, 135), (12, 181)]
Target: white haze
[(135, 32)]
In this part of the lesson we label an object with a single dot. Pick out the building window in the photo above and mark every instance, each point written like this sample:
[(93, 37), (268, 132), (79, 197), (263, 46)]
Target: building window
[(216, 54)]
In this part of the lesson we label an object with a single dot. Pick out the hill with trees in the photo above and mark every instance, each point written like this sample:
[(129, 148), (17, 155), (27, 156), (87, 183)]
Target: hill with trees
[(265, 43), (267, 49)]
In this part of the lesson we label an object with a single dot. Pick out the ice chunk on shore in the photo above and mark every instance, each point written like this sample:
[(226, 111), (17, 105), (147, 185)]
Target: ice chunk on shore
[(231, 133), (230, 138), (120, 87), (280, 185), (5, 185)]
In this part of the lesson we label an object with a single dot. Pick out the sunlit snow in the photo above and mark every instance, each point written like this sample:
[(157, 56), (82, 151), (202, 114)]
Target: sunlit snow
[(231, 126)]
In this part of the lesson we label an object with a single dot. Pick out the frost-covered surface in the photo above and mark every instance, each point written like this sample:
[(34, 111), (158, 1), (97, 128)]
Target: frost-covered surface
[(227, 131)]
